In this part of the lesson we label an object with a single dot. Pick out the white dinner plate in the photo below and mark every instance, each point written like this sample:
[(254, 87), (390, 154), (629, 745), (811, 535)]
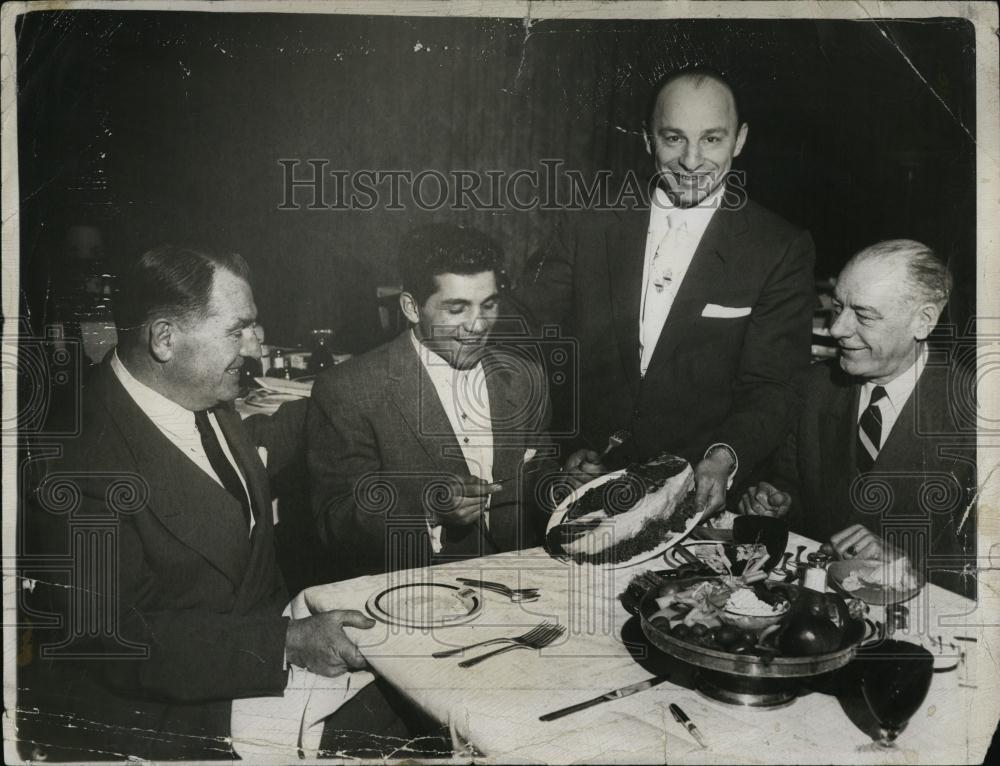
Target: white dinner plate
[(839, 571), (425, 605), (560, 512)]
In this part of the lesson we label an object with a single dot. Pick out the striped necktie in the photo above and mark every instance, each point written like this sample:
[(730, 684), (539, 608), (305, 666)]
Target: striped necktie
[(223, 468), (870, 431)]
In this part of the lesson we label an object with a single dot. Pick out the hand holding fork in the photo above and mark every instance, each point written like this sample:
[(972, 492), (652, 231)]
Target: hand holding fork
[(586, 464)]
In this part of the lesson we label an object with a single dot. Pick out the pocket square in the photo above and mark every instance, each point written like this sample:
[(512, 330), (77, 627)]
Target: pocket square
[(262, 451), (528, 454), (715, 311)]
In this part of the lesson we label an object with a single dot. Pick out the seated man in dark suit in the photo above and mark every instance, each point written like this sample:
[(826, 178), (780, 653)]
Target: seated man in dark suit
[(426, 449), (160, 512), (882, 462)]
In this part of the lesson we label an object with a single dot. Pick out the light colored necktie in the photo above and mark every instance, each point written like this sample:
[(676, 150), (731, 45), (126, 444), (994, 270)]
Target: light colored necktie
[(661, 287)]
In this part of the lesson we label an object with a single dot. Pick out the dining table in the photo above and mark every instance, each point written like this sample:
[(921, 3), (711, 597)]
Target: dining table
[(493, 708)]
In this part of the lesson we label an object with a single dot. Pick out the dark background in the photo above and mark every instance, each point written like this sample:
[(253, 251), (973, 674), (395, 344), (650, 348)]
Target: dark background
[(167, 126)]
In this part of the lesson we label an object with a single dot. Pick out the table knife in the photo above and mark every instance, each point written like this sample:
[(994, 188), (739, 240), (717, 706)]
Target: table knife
[(625, 691)]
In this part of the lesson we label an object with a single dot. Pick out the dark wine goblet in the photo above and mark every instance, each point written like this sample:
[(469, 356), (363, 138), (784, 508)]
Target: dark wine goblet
[(895, 678)]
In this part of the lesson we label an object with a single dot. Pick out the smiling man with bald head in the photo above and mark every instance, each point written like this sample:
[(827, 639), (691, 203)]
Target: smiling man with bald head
[(693, 315)]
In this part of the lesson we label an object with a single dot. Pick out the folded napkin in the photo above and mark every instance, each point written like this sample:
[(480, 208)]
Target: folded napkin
[(282, 386), (276, 729)]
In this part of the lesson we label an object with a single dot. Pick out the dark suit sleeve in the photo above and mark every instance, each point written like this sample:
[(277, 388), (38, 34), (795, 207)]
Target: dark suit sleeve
[(194, 654), (775, 352), (198, 654), (539, 473), (353, 499), (340, 446)]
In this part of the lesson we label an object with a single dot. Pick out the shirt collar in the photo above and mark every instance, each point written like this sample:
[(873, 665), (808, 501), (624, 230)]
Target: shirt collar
[(898, 389), (696, 218), (437, 367), (155, 405)]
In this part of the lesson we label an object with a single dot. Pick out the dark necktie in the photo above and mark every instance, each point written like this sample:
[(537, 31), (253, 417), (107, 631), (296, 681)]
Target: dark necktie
[(221, 465), (870, 431)]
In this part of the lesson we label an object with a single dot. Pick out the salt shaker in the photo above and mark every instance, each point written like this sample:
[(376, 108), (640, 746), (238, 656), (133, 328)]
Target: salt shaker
[(814, 576)]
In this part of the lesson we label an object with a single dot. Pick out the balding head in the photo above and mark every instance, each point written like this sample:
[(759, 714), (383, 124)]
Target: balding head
[(696, 77), (693, 134), (887, 301), (925, 277)]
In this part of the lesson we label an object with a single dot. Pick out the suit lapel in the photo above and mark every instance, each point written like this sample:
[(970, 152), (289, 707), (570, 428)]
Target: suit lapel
[(838, 436), (416, 399), (509, 427), (506, 420), (710, 267), (626, 253), (255, 474), (904, 445), (189, 503)]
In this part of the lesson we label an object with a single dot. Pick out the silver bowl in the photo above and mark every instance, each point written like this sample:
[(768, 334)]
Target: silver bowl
[(747, 679)]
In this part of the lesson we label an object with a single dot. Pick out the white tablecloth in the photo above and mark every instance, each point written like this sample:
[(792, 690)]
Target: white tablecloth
[(495, 705)]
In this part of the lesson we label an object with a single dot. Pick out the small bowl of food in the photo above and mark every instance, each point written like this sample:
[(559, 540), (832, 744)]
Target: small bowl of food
[(747, 611)]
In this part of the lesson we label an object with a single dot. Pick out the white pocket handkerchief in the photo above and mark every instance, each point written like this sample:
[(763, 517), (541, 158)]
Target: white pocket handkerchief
[(262, 451), (715, 311), (528, 454)]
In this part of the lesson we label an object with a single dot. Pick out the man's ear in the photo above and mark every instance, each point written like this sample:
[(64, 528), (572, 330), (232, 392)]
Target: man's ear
[(410, 308), (741, 138), (160, 334), (925, 319), (649, 141)]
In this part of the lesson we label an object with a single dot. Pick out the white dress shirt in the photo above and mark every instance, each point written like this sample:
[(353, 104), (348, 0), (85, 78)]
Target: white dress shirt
[(176, 423), (466, 403), (671, 240), (897, 391)]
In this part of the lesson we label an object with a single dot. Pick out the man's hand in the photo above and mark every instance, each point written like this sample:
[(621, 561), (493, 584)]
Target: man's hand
[(711, 476), (765, 500), (319, 644), (582, 466), (858, 542), (465, 502)]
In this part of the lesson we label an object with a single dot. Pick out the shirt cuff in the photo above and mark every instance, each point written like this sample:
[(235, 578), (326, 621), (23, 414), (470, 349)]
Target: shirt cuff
[(732, 454)]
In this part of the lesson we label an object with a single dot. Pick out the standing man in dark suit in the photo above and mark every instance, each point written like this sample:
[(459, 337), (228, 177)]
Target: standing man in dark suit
[(428, 448), (883, 460), (691, 317), (161, 511)]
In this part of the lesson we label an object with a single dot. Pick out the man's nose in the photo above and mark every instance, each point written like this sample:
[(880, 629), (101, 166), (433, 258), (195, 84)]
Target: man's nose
[(475, 325), (250, 343), (691, 158), (842, 326)]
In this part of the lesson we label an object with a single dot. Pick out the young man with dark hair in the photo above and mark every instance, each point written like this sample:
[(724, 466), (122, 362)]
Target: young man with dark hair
[(428, 448)]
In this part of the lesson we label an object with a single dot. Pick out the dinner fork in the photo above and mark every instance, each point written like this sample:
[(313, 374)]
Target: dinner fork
[(617, 439), (529, 636), (514, 594), (549, 634)]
